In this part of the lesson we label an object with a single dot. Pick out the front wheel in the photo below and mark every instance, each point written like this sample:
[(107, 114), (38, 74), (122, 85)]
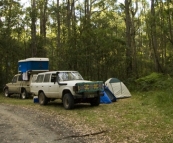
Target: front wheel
[(24, 94), (68, 101), (43, 100), (6, 92)]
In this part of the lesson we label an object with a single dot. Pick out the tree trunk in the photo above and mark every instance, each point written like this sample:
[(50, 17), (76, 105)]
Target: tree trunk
[(33, 29), (43, 19), (58, 41), (128, 39), (58, 23), (133, 40), (170, 22), (158, 67)]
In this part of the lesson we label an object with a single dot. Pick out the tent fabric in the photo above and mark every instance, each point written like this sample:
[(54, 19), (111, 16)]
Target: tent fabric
[(109, 94), (114, 80), (105, 99), (117, 88)]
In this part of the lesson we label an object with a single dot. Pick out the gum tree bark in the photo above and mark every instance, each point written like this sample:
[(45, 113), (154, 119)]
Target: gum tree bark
[(158, 66), (33, 28)]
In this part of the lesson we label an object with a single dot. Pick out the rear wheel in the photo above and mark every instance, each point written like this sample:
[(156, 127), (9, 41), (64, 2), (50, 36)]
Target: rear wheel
[(24, 94), (95, 101), (43, 100), (68, 101), (6, 92)]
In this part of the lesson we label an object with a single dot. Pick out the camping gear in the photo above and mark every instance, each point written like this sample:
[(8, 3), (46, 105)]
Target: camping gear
[(105, 99), (33, 65), (118, 88), (35, 99), (109, 94)]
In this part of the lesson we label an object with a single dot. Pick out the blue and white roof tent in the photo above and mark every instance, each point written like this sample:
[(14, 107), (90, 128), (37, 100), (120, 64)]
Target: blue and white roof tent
[(33, 64)]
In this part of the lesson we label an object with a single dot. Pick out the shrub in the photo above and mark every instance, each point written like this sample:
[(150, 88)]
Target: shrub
[(154, 81)]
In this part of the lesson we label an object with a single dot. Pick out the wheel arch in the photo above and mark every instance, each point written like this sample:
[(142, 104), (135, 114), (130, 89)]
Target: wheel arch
[(6, 91), (5, 87), (64, 92), (22, 89), (40, 91)]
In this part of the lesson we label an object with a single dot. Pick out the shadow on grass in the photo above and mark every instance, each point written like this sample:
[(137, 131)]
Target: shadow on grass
[(53, 104), (17, 96), (59, 104)]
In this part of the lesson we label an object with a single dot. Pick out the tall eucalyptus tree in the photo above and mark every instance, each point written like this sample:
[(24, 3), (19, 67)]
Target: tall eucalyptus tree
[(130, 10), (154, 42), (33, 28)]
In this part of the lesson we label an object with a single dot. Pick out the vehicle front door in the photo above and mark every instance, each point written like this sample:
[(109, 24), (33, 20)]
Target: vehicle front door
[(53, 88)]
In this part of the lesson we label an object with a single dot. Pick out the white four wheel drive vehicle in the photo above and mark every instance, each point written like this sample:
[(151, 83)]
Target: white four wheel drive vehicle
[(19, 86), (69, 86)]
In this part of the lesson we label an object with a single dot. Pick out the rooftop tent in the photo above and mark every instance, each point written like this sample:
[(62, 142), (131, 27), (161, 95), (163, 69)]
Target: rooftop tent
[(33, 64), (118, 88)]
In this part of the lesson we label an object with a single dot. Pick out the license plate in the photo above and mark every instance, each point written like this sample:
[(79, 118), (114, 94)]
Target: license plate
[(90, 95)]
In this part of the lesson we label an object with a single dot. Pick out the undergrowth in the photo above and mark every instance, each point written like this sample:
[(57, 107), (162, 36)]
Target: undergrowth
[(154, 81), (157, 90)]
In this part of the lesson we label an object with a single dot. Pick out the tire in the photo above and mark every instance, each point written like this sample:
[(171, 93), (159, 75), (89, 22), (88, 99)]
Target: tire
[(68, 101), (95, 101), (24, 94), (6, 92), (43, 100)]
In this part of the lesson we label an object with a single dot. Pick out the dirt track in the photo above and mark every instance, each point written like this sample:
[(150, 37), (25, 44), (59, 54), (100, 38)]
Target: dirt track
[(23, 125)]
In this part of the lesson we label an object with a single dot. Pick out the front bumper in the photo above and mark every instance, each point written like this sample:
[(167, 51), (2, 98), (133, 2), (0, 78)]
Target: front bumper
[(85, 95)]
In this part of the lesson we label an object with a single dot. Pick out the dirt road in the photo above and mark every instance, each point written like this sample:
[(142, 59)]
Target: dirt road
[(23, 125)]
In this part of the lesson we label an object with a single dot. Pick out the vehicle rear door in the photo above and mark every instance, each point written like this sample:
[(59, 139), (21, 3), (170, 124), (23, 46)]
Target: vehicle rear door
[(45, 84), (36, 85), (15, 84)]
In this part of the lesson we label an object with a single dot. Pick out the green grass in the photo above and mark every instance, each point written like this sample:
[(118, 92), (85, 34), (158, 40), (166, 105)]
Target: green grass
[(145, 117)]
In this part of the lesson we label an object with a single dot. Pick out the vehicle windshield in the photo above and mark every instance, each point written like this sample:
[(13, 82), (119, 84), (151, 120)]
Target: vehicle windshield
[(65, 76)]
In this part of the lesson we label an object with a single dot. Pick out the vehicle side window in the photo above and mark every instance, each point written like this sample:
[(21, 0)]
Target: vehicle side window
[(46, 78), (53, 78), (14, 80), (34, 78), (20, 78), (40, 78)]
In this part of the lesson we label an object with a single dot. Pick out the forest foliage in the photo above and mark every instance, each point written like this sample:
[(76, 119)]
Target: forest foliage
[(153, 82), (98, 38)]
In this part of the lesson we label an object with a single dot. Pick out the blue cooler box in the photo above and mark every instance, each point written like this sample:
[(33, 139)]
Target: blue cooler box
[(35, 99), (33, 64)]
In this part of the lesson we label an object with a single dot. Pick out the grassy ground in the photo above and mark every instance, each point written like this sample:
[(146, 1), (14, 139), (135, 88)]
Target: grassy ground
[(145, 117)]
